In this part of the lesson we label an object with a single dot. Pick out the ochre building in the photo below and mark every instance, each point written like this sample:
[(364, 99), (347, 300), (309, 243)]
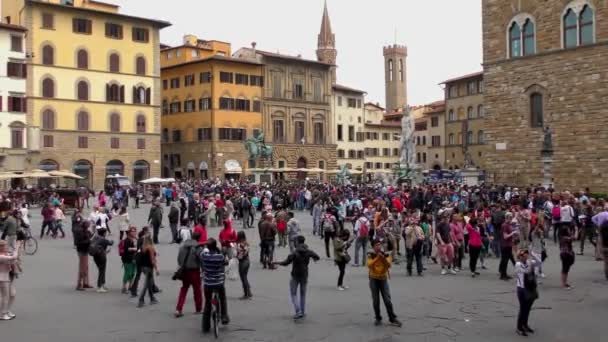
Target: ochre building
[(211, 103), (93, 88)]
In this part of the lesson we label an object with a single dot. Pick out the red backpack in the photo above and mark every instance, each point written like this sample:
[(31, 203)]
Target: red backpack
[(364, 230), (556, 213), (121, 247)]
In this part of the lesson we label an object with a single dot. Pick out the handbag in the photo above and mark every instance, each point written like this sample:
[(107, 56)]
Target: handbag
[(180, 274)]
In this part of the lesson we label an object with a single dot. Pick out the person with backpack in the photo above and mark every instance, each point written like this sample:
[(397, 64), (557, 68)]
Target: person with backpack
[(293, 231), (149, 266), (329, 226), (173, 222), (189, 264), (341, 257), (247, 213), (361, 231), (82, 241), (126, 250), (99, 250), (527, 292), (299, 275), (155, 219), (556, 218)]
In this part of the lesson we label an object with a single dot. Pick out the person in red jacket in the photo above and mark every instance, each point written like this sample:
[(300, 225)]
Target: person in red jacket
[(202, 230), (227, 238), (475, 245), (397, 204)]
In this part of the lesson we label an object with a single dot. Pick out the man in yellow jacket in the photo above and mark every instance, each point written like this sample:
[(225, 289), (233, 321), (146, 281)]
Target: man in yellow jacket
[(379, 264)]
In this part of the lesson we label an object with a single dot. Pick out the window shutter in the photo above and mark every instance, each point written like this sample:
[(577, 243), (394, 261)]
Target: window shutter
[(0, 103), (10, 103), (23, 105), (24, 70), (146, 35), (74, 25), (135, 99), (148, 95), (89, 26), (122, 94), (120, 31), (107, 92)]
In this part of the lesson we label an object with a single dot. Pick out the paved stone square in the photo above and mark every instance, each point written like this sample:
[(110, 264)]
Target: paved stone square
[(432, 308)]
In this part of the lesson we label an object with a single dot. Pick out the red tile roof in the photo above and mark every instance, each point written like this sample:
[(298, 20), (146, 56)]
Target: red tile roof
[(460, 78)]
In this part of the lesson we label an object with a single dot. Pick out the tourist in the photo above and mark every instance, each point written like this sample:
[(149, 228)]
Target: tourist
[(445, 248), (341, 257), (99, 250), (188, 261), (281, 219), (457, 229), (82, 241), (379, 263), (103, 221), (506, 252), (149, 266), (317, 213), (121, 217), (414, 240), (8, 267), (601, 221), (329, 226), (293, 231), (299, 275), (475, 245), (526, 292), (588, 229), (213, 263), (155, 219), (524, 218), (566, 253), (268, 231), (101, 199), (361, 231), (201, 230), (537, 247), (127, 249), (9, 233), (48, 219), (242, 254), (173, 217)]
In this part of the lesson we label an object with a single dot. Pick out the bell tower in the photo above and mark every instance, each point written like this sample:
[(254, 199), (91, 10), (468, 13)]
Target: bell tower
[(326, 44), (395, 76)]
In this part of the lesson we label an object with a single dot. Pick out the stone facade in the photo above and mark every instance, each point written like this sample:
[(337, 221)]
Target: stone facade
[(572, 86), (395, 77), (464, 121)]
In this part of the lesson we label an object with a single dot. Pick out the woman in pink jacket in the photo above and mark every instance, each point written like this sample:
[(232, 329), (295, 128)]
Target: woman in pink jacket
[(475, 244)]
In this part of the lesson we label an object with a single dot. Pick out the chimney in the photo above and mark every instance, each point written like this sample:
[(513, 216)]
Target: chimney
[(253, 45), (190, 40)]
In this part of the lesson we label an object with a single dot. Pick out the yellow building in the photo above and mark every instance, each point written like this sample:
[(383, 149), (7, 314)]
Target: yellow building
[(382, 136), (211, 103), (93, 88)]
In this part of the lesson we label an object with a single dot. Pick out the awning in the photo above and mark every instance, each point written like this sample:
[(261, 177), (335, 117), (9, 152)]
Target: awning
[(233, 166), (190, 166), (203, 166)]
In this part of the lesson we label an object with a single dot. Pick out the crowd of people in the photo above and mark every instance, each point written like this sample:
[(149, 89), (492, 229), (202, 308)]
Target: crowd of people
[(427, 224)]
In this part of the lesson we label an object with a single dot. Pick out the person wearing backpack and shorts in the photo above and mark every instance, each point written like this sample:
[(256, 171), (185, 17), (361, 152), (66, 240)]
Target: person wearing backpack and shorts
[(362, 233), (556, 218), (329, 226), (127, 249)]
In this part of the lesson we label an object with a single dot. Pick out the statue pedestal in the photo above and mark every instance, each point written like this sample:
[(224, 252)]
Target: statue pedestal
[(470, 176), (414, 178), (547, 158)]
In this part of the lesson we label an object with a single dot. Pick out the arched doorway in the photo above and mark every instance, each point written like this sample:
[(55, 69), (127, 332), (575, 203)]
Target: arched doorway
[(84, 169), (190, 168), (437, 167), (48, 165), (141, 171), (202, 168), (114, 167), (301, 164), (165, 172)]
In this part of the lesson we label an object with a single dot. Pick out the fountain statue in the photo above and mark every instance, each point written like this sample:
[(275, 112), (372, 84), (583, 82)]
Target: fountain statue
[(407, 169)]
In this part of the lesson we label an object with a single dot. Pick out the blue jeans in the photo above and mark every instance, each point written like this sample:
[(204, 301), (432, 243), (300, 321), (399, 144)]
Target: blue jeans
[(298, 306), (361, 243), (380, 287)]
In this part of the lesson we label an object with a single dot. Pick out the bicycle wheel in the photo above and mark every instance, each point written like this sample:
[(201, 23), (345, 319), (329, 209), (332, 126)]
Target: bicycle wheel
[(216, 323), (31, 246)]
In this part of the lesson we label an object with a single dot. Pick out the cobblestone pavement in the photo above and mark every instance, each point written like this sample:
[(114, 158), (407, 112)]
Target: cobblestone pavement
[(432, 308)]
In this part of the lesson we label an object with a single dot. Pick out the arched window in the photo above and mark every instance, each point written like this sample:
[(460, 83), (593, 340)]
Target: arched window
[(451, 140), (83, 91), (480, 111), (83, 121), (48, 165), (114, 167), (48, 88), (451, 116), (114, 122), (529, 44), (114, 63), (390, 70), (48, 119), (536, 110), (83, 168), (82, 59), (165, 135), (586, 26), (115, 93), (48, 55), (140, 66), (141, 95), (141, 170), (481, 139), (470, 138), (17, 129), (514, 40), (141, 124), (400, 69), (570, 29), (319, 135), (470, 113)]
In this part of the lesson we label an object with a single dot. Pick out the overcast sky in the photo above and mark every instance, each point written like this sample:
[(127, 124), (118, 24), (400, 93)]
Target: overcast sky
[(443, 37)]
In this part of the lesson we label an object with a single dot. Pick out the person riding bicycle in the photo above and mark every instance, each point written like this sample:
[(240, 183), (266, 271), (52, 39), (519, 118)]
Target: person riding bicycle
[(213, 264)]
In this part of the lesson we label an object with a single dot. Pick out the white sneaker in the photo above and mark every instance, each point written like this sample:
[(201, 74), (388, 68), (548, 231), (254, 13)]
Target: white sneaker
[(444, 272), (542, 275), (456, 269), (5, 317), (340, 288), (101, 290), (453, 272), (345, 287), (11, 315)]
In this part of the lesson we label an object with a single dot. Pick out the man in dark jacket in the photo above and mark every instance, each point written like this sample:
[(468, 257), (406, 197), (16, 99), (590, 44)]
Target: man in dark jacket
[(174, 221), (187, 258), (155, 219), (268, 231), (300, 259)]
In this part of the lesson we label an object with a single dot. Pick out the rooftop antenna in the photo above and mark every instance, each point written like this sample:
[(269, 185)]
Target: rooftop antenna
[(395, 36)]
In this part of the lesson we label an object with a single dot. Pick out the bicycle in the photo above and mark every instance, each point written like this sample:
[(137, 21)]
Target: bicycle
[(30, 244), (216, 313)]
